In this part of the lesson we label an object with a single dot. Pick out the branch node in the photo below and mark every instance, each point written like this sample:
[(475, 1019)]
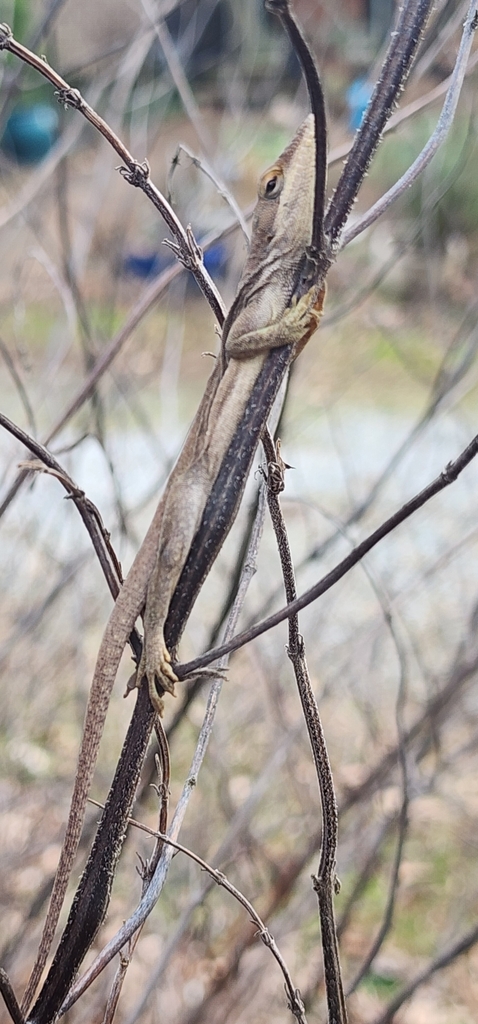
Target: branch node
[(136, 173), (449, 474), (194, 247), (69, 98), (295, 1004), (6, 35), (189, 254)]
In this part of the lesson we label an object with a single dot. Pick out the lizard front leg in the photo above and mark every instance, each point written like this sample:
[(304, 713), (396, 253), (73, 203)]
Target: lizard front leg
[(294, 327)]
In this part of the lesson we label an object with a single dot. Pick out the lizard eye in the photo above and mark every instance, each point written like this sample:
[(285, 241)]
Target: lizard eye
[(271, 183)]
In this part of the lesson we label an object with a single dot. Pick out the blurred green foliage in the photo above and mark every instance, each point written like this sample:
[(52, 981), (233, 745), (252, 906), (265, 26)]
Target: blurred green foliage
[(451, 178)]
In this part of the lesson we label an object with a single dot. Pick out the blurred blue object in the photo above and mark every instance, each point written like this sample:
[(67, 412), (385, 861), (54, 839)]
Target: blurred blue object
[(30, 132), (216, 259), (357, 96), (147, 265)]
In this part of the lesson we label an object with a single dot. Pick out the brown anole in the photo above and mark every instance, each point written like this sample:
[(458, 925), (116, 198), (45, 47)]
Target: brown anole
[(261, 317), (269, 311)]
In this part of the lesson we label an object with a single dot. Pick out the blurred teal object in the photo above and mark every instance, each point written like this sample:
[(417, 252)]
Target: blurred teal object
[(358, 95), (30, 132)]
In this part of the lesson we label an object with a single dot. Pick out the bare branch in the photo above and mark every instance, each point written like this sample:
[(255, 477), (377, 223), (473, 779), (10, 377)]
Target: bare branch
[(446, 477), (325, 881), (88, 511)]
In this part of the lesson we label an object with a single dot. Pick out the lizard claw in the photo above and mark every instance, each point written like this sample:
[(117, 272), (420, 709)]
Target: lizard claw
[(155, 666)]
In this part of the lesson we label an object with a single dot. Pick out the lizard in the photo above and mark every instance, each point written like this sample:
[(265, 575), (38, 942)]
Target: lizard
[(259, 319), (272, 309)]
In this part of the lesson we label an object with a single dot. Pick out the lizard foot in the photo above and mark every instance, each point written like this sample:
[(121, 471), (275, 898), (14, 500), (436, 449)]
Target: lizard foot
[(155, 665)]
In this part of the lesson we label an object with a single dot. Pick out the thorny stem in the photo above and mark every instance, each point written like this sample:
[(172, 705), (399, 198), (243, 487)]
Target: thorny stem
[(325, 882)]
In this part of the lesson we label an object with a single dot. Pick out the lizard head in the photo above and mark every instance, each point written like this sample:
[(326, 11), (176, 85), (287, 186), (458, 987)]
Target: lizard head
[(281, 233), (282, 222)]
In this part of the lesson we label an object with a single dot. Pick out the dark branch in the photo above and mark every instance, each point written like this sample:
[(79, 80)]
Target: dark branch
[(10, 998), (317, 106)]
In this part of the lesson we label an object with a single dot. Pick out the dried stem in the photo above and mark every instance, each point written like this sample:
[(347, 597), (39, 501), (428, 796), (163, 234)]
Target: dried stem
[(10, 998), (457, 949), (325, 882)]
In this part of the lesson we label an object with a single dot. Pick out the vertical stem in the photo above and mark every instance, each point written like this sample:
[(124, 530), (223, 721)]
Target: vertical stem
[(325, 882)]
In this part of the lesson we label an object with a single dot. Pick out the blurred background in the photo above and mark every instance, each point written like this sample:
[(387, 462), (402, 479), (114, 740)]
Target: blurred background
[(379, 402)]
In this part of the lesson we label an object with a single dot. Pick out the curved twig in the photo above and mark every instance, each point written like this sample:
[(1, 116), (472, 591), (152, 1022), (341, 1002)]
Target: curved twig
[(436, 140), (134, 172)]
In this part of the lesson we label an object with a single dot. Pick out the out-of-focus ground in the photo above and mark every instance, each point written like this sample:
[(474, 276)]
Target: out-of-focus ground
[(380, 401)]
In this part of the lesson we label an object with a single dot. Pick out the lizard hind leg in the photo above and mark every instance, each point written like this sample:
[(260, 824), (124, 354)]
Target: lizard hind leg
[(155, 667), (184, 501)]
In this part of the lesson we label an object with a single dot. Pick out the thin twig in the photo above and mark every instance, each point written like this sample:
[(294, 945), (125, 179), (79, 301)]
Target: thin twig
[(89, 513), (325, 882), (221, 188), (445, 958), (436, 140), (17, 380), (403, 817), (446, 477), (181, 83), (135, 173)]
